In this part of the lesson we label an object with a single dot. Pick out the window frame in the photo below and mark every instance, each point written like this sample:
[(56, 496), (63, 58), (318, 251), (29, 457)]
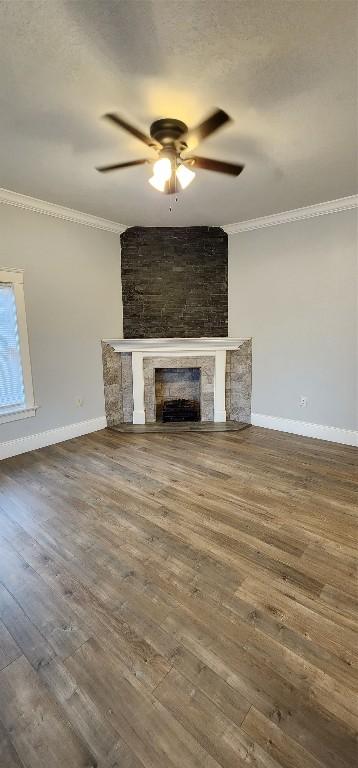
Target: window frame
[(15, 278)]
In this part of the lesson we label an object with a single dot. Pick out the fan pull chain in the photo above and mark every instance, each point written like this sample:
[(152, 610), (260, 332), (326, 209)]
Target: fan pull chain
[(175, 193), (176, 199)]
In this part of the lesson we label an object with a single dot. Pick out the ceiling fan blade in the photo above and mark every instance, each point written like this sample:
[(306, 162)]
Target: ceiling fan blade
[(220, 166), (212, 123), (132, 130), (105, 168)]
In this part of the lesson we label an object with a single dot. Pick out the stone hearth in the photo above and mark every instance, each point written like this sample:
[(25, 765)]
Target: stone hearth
[(129, 367)]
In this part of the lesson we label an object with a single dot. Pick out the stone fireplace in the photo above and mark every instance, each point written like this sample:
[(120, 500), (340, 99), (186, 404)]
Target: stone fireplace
[(145, 378), (175, 285)]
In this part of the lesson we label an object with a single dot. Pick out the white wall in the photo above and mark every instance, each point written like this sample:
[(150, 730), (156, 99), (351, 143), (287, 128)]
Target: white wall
[(293, 288), (73, 300)]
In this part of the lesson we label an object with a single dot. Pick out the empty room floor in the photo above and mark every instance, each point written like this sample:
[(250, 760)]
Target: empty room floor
[(179, 601)]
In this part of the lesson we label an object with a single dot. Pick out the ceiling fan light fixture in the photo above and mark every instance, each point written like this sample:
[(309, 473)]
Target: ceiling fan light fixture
[(162, 172), (158, 183), (162, 169), (185, 176)]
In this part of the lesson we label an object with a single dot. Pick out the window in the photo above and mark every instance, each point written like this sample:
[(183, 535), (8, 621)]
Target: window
[(16, 392)]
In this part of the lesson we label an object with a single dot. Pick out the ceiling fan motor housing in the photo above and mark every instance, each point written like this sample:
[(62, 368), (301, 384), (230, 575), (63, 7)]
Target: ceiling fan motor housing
[(168, 131)]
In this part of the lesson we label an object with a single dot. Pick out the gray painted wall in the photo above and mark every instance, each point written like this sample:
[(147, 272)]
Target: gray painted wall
[(73, 300), (293, 288)]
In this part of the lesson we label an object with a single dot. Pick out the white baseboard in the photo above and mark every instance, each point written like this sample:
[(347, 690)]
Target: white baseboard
[(59, 434), (50, 437), (304, 428)]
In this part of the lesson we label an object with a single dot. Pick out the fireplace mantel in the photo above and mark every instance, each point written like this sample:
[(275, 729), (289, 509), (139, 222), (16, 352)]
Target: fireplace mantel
[(140, 348), (138, 355), (204, 344)]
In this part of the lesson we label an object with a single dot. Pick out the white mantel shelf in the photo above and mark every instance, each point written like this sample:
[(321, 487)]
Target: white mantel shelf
[(149, 346)]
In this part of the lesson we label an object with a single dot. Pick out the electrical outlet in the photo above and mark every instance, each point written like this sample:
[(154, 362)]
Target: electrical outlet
[(303, 401), (79, 402)]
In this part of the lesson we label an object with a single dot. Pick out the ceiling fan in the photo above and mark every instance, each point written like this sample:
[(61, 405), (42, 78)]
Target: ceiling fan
[(170, 138)]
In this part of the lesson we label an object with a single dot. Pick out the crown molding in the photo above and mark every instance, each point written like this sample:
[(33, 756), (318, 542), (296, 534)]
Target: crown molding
[(33, 204), (8, 197), (298, 214)]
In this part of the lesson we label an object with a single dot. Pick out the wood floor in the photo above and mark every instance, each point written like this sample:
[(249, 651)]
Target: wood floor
[(179, 601)]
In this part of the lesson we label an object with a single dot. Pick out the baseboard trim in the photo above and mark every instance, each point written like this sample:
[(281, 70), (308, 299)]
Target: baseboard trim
[(50, 437), (59, 434), (306, 429)]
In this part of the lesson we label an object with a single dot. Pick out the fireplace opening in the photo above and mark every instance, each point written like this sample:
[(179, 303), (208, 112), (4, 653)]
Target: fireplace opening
[(181, 410), (177, 394)]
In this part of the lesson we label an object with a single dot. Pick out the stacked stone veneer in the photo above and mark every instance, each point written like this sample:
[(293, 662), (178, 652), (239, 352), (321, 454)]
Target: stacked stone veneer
[(118, 384), (238, 383), (174, 282)]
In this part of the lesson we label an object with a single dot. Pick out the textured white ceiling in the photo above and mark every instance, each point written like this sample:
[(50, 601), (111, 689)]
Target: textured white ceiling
[(285, 70)]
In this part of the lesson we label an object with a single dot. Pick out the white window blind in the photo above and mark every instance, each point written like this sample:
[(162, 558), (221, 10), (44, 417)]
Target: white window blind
[(12, 393)]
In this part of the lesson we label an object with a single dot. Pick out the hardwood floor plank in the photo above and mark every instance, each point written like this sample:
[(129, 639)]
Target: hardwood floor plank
[(86, 718), (40, 734), (317, 686), (321, 641), (224, 696), (287, 752), (218, 735), (9, 651), (8, 756), (345, 606), (47, 609), (149, 729), (31, 642)]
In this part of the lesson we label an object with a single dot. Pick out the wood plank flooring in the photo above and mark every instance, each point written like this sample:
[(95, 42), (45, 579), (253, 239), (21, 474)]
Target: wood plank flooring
[(179, 601)]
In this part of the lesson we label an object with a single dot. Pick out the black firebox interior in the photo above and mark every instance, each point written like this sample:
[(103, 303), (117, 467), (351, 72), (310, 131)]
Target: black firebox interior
[(181, 410)]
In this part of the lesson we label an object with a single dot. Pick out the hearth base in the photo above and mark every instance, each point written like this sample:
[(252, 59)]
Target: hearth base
[(180, 426)]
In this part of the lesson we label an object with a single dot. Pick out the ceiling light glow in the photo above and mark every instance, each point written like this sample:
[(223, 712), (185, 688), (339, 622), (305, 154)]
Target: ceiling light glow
[(185, 176), (162, 169), (158, 183)]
